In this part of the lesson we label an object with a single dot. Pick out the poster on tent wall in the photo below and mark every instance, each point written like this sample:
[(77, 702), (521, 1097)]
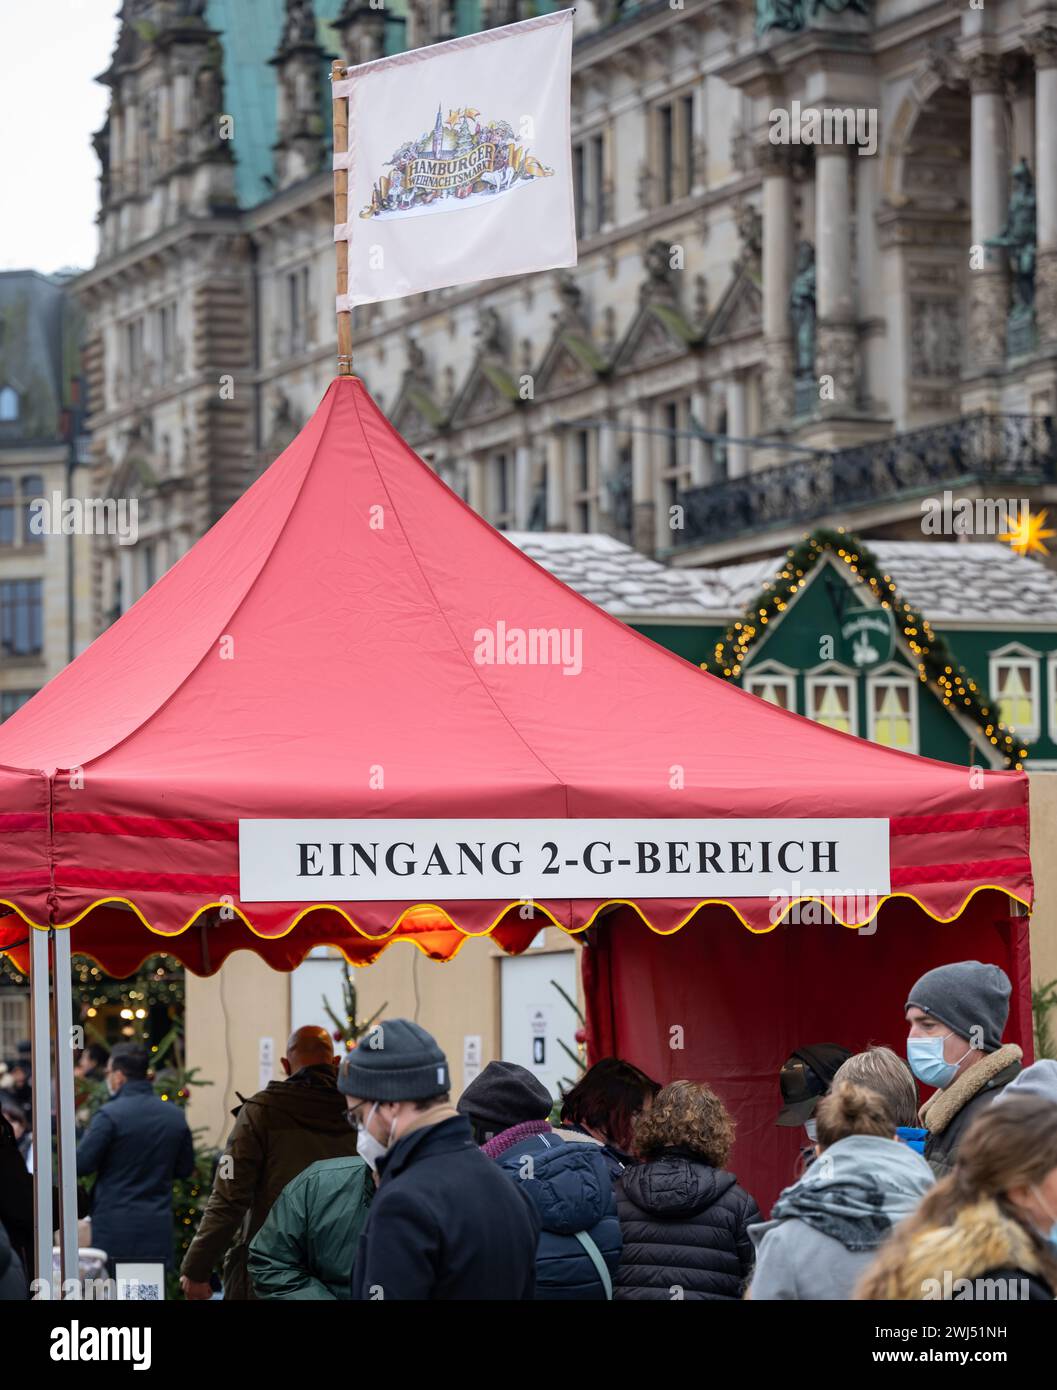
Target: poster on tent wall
[(459, 160), (517, 860)]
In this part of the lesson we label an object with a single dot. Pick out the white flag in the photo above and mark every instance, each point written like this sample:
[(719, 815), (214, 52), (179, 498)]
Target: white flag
[(459, 162)]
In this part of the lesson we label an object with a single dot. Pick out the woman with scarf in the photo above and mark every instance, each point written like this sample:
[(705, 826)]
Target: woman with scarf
[(989, 1229), (825, 1230)]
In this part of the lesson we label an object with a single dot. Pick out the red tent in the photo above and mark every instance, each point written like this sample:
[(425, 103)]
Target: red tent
[(314, 656)]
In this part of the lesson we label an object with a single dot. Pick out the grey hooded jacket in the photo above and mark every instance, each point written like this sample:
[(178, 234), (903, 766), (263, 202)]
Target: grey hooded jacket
[(825, 1229)]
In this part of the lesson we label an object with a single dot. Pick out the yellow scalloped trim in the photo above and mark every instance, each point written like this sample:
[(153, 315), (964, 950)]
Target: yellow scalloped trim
[(537, 907)]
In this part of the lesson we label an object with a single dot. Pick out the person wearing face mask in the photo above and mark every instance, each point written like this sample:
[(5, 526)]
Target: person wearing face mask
[(136, 1144), (445, 1222), (989, 1229), (805, 1078), (956, 1015)]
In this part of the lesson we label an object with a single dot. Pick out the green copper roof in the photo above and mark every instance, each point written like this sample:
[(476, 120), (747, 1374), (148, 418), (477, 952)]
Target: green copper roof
[(249, 34)]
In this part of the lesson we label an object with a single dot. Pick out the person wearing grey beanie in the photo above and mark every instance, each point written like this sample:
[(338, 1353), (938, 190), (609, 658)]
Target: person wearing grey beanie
[(957, 1014), (445, 1223)]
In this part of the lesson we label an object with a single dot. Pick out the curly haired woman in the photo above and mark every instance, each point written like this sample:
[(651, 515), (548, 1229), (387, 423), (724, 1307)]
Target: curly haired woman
[(683, 1217)]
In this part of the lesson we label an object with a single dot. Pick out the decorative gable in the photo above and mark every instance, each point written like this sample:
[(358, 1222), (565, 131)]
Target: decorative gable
[(739, 312)]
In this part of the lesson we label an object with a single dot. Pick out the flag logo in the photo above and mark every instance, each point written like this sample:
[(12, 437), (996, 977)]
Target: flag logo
[(458, 163)]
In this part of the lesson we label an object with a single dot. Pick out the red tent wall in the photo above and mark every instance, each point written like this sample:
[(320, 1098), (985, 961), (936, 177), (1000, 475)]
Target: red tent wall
[(744, 1001)]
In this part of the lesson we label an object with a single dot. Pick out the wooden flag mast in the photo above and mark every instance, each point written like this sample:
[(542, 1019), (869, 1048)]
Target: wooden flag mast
[(341, 217)]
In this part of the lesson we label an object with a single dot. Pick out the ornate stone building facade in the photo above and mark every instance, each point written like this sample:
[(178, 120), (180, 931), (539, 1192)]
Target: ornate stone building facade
[(759, 337), (44, 572)]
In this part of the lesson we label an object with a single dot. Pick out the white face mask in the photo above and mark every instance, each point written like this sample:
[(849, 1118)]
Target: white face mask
[(370, 1149), (811, 1129)]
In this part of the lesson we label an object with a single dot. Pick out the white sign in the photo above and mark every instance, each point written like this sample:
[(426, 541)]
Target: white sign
[(472, 1052), (460, 161), (137, 1280), (265, 1062), (299, 861)]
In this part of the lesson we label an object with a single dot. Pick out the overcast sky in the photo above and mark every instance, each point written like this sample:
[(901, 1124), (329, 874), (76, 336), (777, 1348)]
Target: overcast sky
[(50, 106)]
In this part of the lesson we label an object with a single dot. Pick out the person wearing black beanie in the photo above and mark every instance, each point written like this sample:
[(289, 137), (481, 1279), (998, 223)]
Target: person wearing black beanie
[(563, 1172), (444, 1223)]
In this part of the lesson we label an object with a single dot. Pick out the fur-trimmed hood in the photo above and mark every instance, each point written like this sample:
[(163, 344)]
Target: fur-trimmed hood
[(980, 1241), (940, 1109)]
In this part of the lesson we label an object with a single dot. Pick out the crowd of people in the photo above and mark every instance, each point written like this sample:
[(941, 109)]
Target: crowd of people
[(357, 1178)]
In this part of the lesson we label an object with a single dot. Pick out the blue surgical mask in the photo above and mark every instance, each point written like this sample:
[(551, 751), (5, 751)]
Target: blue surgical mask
[(1051, 1235), (811, 1128), (927, 1062)]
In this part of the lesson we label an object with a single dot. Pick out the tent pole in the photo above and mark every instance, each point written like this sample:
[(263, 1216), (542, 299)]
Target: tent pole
[(341, 215), (40, 1035), (62, 1006)]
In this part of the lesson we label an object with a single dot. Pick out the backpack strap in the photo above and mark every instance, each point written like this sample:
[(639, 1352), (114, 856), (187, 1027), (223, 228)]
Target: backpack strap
[(595, 1256)]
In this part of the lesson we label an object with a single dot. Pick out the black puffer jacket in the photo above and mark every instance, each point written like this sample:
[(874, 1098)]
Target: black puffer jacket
[(684, 1226)]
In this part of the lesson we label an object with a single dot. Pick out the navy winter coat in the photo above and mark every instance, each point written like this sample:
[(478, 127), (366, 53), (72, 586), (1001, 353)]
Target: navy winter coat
[(445, 1223), (571, 1188), (137, 1144), (685, 1230)]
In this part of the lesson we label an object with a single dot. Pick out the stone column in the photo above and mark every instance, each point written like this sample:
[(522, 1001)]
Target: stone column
[(608, 440), (837, 350), (737, 426), (988, 286), (476, 489), (117, 152), (127, 569), (1043, 46), (522, 486), (130, 155), (777, 265), (643, 501), (700, 451), (556, 491)]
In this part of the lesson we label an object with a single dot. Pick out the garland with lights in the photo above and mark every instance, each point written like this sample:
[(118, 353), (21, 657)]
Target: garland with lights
[(935, 660)]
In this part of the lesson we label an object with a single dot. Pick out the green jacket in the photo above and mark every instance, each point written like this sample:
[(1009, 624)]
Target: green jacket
[(278, 1133), (307, 1245)]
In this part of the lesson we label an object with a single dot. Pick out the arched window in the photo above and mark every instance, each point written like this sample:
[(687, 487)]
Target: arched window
[(8, 404)]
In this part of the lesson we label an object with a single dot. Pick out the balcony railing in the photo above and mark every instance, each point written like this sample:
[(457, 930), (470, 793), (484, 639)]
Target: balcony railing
[(1000, 451)]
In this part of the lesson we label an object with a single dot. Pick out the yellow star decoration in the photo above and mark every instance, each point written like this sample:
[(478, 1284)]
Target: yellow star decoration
[(1030, 532)]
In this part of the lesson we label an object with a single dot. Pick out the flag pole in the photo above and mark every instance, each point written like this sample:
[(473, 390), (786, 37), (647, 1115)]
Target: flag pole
[(341, 215)]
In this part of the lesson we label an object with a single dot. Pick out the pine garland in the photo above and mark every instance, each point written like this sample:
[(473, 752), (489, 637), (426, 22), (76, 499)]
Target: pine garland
[(936, 663)]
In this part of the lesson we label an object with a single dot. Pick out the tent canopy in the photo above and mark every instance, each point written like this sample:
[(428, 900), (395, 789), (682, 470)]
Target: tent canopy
[(313, 656)]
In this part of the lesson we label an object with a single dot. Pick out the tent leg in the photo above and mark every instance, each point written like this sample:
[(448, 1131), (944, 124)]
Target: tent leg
[(65, 1120), (40, 1034)]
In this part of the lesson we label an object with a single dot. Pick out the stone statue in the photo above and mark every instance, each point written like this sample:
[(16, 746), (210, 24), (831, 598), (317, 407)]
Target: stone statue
[(488, 334), (571, 299), (619, 486), (797, 14), (836, 7), (416, 358), (750, 233), (778, 14), (802, 309), (300, 24), (658, 286), (1018, 239), (538, 515)]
